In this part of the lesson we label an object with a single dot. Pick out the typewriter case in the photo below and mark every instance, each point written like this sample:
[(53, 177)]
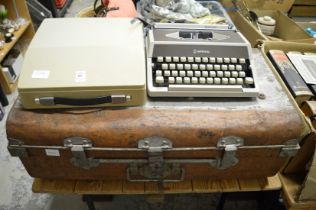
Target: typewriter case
[(84, 62), (165, 140)]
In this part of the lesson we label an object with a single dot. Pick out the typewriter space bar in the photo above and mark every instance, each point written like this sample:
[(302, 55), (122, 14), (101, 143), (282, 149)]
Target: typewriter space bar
[(212, 88)]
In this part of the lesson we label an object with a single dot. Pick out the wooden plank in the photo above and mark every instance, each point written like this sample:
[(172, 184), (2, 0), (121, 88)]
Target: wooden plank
[(178, 187), (112, 187), (229, 185), (206, 185), (64, 186), (269, 183), (42, 185), (133, 187), (88, 187), (53, 186), (273, 183), (216, 185), (202, 185), (249, 185), (152, 188)]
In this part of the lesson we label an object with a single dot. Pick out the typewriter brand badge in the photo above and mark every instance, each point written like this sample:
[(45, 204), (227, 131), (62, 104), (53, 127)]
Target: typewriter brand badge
[(195, 51)]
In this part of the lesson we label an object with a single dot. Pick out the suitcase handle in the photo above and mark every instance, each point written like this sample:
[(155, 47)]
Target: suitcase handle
[(179, 178), (114, 99)]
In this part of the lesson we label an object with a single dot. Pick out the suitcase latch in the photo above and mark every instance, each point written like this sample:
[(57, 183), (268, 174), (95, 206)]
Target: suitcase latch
[(290, 148), (156, 168), (78, 145), (229, 145), (15, 149)]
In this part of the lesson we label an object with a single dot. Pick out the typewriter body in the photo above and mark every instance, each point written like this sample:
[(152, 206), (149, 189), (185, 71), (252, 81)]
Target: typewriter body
[(195, 60)]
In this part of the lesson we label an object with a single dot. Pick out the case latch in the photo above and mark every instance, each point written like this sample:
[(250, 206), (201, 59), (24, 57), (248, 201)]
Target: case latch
[(156, 169), (290, 149), (78, 145), (229, 145), (15, 149)]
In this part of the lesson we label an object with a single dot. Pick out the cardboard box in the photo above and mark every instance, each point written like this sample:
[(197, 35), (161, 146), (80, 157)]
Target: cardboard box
[(304, 2), (303, 11), (309, 187), (283, 25), (284, 6), (299, 164)]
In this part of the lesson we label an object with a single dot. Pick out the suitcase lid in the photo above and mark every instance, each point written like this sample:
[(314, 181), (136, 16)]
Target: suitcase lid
[(84, 54)]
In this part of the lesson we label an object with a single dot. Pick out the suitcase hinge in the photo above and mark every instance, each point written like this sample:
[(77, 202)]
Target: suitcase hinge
[(290, 149), (156, 169), (78, 145), (15, 149), (229, 145)]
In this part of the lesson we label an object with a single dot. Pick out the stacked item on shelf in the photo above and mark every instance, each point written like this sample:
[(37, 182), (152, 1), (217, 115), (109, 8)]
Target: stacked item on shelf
[(17, 30), (60, 3), (292, 50), (262, 24), (57, 7), (298, 60), (38, 12)]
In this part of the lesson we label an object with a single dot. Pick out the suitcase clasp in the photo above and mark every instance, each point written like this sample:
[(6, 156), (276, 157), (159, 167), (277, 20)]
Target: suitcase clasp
[(15, 149), (229, 145), (78, 145), (156, 168)]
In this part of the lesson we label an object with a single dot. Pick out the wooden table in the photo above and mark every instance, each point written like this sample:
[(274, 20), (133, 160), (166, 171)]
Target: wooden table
[(90, 189), (125, 187)]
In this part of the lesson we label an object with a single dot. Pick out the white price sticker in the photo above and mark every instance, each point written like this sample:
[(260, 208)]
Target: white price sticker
[(40, 74), (80, 76), (52, 152)]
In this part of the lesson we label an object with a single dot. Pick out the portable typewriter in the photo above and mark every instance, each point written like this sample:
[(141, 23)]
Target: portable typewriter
[(196, 60)]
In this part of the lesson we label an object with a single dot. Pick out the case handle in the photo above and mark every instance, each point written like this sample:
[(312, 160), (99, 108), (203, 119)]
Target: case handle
[(51, 101)]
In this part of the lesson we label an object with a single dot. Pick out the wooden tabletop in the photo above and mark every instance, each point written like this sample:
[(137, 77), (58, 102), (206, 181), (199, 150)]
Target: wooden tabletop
[(125, 187)]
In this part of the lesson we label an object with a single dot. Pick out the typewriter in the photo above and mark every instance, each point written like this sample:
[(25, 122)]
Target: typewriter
[(195, 60)]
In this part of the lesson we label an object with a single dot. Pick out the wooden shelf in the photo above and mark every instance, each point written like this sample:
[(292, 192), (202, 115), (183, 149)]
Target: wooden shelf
[(125, 187), (291, 186), (17, 35), (23, 36)]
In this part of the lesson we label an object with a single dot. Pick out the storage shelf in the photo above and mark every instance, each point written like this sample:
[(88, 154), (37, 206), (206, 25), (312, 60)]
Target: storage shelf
[(119, 187), (17, 36), (23, 36)]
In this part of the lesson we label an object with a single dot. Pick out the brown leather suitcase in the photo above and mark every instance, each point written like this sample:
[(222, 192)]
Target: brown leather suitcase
[(165, 140)]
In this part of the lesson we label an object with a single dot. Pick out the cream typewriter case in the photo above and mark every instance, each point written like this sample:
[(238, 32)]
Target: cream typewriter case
[(75, 62)]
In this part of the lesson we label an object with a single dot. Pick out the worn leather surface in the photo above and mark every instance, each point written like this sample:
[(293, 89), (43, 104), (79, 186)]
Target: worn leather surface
[(123, 128)]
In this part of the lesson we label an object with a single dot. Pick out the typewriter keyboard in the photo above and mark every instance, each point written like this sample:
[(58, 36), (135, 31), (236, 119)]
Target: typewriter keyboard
[(201, 71)]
